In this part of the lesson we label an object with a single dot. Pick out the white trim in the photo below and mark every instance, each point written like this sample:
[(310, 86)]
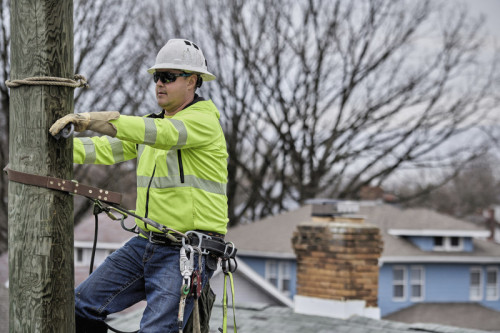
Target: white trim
[(100, 256), (420, 282), (390, 259), (402, 282), (343, 309), (274, 255), (438, 232), (100, 245), (497, 290), (439, 259)]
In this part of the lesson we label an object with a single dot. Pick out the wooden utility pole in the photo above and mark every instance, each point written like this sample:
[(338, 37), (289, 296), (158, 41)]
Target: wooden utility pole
[(41, 272)]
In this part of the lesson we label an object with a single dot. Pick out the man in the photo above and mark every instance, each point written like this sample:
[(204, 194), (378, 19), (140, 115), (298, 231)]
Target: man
[(181, 183)]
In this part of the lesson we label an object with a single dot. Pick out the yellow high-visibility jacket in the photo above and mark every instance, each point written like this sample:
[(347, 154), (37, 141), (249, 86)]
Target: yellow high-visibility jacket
[(181, 165)]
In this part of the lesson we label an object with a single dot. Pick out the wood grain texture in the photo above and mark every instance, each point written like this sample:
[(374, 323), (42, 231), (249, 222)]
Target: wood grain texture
[(41, 271)]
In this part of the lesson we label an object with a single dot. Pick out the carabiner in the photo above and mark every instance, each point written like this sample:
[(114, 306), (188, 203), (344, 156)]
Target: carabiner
[(233, 250), (186, 264)]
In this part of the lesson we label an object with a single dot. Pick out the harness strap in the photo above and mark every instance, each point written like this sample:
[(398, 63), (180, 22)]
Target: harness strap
[(196, 317), (224, 303), (63, 185), (160, 238), (212, 245)]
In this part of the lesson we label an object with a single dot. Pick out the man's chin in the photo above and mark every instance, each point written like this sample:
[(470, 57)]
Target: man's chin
[(161, 103)]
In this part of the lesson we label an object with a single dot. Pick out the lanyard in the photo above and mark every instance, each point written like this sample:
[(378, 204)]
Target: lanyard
[(224, 302)]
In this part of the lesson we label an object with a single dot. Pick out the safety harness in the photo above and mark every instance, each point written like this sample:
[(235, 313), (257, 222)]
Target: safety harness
[(190, 243)]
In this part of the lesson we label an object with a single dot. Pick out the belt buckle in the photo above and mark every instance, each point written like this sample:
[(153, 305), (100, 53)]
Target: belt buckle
[(151, 240)]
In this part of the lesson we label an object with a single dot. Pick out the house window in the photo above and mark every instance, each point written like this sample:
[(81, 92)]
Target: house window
[(454, 242), (398, 283), (278, 273), (285, 277), (272, 272), (417, 283), (492, 284), (448, 243), (79, 256), (475, 289)]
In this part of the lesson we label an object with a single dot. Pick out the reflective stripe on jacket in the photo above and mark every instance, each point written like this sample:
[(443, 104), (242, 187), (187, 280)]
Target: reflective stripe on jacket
[(181, 165)]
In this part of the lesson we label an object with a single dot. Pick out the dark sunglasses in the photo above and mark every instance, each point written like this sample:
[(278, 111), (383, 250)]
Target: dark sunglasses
[(167, 77)]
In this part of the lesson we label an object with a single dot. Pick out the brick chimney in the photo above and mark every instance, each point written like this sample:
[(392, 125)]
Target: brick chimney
[(337, 262)]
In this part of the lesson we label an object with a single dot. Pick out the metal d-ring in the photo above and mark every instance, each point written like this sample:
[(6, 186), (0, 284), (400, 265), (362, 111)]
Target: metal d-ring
[(133, 229)]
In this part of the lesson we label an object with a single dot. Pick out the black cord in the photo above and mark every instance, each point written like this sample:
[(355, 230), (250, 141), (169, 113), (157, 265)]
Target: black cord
[(94, 246)]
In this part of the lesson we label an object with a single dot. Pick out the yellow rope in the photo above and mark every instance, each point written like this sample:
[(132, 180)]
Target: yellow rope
[(78, 82)]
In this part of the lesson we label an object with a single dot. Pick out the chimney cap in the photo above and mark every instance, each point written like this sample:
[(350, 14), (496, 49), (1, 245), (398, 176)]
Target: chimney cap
[(332, 207)]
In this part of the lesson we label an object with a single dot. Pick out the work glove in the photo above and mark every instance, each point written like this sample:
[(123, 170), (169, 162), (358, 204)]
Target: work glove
[(94, 121)]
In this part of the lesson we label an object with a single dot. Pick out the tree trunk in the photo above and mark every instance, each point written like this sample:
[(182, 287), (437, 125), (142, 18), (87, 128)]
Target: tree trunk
[(41, 271)]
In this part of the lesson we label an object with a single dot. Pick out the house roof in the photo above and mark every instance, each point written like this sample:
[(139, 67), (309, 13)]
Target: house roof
[(392, 217), (109, 231), (272, 236), (272, 319), (465, 315)]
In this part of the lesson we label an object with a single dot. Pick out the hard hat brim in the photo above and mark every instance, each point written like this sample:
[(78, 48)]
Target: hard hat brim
[(205, 75)]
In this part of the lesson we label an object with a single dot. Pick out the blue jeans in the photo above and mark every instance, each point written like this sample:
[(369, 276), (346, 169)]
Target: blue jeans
[(138, 271)]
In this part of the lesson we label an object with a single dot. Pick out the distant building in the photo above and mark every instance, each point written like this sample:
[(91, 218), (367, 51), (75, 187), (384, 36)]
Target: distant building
[(427, 259), (110, 237), (421, 267)]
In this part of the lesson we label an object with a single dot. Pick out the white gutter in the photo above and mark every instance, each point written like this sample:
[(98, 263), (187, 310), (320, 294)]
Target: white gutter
[(275, 255), (100, 245), (438, 259), (449, 233)]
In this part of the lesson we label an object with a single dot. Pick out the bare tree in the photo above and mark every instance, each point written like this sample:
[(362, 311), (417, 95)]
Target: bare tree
[(324, 97), (475, 188), (106, 52), (320, 98), (317, 97)]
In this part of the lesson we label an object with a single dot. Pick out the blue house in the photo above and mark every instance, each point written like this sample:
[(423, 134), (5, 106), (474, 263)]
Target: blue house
[(429, 260)]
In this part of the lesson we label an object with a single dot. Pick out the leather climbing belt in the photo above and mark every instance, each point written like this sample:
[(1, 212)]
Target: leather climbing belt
[(64, 185)]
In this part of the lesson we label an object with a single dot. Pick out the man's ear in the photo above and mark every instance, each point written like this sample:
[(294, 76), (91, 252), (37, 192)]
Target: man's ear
[(193, 81)]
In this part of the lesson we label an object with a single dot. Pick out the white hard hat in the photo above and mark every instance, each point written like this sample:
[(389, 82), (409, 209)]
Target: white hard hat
[(183, 55)]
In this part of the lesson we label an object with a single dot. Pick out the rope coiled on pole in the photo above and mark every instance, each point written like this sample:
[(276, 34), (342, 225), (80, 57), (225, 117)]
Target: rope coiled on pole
[(79, 81)]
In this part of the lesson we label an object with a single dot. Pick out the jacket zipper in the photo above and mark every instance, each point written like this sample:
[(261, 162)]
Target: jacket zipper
[(181, 169), (147, 192)]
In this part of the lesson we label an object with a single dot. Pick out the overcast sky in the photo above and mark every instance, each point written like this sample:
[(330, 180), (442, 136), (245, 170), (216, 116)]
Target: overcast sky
[(490, 8)]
